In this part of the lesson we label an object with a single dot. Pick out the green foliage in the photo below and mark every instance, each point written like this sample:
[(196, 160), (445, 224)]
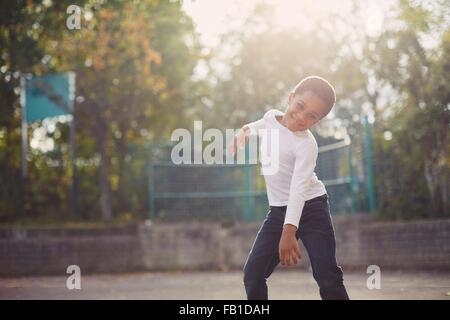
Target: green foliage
[(135, 60), (414, 165)]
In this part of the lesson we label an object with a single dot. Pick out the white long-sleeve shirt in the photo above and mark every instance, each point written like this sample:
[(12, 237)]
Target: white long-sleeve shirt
[(295, 180)]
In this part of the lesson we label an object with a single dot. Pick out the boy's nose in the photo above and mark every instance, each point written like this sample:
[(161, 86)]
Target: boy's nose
[(300, 118)]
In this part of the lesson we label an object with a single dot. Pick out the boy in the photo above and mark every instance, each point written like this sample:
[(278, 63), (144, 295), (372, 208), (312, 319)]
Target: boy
[(298, 200)]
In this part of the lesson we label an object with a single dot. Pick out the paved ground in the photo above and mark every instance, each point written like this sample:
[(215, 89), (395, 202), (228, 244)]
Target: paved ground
[(283, 284)]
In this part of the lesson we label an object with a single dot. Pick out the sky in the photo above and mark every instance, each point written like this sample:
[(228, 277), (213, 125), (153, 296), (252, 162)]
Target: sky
[(213, 17)]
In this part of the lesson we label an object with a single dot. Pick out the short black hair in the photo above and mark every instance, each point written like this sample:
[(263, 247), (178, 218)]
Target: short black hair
[(321, 87)]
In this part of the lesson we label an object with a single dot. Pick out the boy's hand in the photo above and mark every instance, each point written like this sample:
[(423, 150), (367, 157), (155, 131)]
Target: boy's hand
[(289, 249), (240, 139)]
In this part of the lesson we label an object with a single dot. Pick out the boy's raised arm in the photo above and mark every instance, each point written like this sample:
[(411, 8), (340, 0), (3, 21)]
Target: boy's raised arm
[(255, 126), (241, 138)]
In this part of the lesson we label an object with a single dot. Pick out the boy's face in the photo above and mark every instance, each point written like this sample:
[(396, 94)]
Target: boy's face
[(304, 110)]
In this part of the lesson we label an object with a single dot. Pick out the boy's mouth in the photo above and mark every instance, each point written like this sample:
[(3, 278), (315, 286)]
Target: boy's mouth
[(297, 123)]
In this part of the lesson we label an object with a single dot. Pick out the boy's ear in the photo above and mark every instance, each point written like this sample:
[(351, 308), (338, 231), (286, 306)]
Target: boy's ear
[(291, 96)]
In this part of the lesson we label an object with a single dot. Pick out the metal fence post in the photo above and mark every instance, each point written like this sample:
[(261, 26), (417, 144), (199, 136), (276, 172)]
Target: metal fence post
[(151, 192), (352, 180), (368, 156), (249, 205)]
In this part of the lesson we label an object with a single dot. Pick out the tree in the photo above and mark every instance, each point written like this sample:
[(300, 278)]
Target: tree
[(25, 30), (133, 65), (133, 62), (420, 77)]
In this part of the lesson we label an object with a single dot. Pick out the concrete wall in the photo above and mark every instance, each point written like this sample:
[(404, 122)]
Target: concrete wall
[(360, 242)]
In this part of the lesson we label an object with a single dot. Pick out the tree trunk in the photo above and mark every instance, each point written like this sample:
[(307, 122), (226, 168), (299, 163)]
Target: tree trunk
[(100, 134), (437, 174)]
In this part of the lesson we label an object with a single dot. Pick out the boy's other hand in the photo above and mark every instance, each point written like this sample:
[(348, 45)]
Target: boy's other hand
[(289, 250), (240, 139)]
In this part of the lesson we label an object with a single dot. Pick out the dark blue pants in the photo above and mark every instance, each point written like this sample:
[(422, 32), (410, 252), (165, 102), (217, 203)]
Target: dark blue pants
[(317, 234)]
